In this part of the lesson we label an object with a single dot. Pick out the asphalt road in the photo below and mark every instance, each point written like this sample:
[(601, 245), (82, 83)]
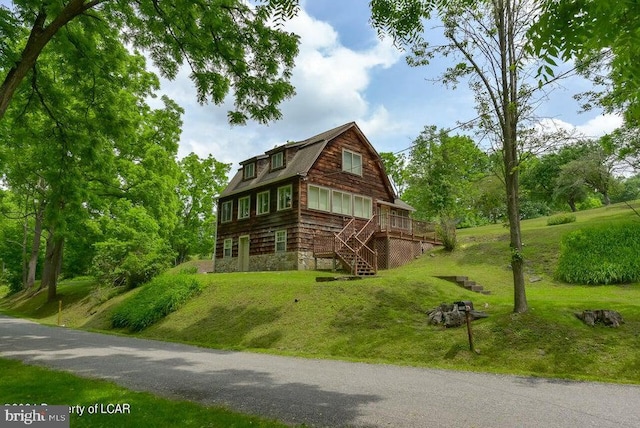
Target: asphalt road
[(321, 392)]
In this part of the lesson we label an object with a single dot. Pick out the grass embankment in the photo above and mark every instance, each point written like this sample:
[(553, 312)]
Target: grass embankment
[(383, 319), (35, 386)]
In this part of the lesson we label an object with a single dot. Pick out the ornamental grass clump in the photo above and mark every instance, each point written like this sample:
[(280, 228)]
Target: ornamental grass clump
[(157, 299), (604, 254), (561, 219)]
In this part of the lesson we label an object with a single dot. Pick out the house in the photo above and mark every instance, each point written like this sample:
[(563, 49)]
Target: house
[(313, 204)]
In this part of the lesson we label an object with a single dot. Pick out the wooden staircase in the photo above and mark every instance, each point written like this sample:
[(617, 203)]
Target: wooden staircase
[(464, 282), (352, 250)]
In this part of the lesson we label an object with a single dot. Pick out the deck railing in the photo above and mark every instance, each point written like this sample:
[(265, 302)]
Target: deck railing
[(363, 230), (407, 226), (368, 229), (369, 256)]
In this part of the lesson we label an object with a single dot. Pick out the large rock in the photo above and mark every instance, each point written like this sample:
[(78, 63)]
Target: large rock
[(601, 316), (450, 315)]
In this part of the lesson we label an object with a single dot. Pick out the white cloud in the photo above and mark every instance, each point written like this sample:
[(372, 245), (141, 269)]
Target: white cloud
[(600, 125), (593, 128), (330, 81)]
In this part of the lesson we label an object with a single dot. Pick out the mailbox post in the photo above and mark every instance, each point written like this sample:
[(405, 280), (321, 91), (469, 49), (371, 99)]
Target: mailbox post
[(467, 315), (467, 307)]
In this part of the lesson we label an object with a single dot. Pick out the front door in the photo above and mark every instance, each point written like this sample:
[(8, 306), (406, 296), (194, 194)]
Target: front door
[(383, 217), (243, 253)]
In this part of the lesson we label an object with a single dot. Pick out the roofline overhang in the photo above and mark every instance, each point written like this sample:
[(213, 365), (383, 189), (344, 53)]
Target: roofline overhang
[(263, 184), (405, 207)]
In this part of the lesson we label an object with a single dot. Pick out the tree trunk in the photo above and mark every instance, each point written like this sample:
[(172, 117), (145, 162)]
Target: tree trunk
[(572, 205), (607, 201), (25, 239), (509, 101), (35, 250), (52, 265)]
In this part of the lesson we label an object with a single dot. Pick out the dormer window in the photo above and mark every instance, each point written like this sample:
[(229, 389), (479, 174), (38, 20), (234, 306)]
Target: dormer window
[(277, 160), (249, 171), (351, 162)]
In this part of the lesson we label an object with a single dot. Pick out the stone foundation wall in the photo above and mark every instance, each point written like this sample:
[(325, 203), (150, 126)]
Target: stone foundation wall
[(267, 262), (401, 252), (302, 260)]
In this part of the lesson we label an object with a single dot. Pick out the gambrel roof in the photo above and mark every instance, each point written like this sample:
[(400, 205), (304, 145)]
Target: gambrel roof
[(306, 154)]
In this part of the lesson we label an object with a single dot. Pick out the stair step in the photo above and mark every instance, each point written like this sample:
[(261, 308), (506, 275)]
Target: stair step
[(463, 281), (453, 278)]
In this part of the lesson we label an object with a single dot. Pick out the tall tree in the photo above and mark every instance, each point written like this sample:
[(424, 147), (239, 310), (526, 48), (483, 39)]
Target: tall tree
[(624, 142), (226, 44), (80, 117), (488, 36), (395, 167), (540, 177), (441, 171), (132, 250), (201, 181)]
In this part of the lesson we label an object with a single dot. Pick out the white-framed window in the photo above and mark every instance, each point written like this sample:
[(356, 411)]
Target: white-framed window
[(262, 203), (341, 203), (226, 213), (318, 198), (227, 248), (244, 207), (277, 160), (361, 206), (351, 162), (285, 194), (249, 170), (281, 241)]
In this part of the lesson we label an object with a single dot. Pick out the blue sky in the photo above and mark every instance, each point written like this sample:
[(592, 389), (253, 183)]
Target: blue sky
[(346, 73)]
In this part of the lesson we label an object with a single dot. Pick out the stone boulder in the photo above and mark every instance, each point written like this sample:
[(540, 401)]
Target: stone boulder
[(450, 315), (601, 316)]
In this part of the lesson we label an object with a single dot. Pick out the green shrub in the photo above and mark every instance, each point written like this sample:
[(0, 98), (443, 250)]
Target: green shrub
[(561, 219), (163, 295), (589, 203), (446, 232), (606, 254)]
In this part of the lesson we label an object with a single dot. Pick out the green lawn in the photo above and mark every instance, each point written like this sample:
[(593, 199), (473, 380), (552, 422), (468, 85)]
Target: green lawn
[(383, 319), (23, 384)]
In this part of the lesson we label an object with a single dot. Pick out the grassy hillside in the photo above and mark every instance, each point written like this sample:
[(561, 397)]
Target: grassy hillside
[(383, 319)]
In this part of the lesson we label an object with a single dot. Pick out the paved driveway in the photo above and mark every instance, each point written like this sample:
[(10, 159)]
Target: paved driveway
[(321, 392)]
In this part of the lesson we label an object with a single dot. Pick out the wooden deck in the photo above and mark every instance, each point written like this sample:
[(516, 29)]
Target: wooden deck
[(381, 231)]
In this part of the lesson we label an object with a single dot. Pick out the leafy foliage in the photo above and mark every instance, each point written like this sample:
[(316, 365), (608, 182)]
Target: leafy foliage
[(440, 174), (599, 31), (227, 45), (132, 251), (395, 167), (200, 182), (446, 231), (561, 219), (589, 203), (163, 295), (605, 254), (571, 175)]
